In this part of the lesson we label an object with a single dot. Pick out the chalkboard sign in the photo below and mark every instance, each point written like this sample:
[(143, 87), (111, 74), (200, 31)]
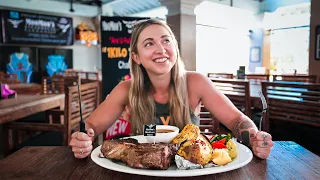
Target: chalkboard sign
[(149, 130), (115, 42), (29, 28)]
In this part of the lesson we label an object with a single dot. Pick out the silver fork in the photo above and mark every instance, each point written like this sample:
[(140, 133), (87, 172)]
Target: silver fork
[(264, 108)]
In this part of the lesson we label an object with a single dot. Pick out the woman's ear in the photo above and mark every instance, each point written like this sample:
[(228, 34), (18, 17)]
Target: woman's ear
[(135, 57)]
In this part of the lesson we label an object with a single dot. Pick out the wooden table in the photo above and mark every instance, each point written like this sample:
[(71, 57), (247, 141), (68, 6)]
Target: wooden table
[(25, 105), (288, 160), (26, 88)]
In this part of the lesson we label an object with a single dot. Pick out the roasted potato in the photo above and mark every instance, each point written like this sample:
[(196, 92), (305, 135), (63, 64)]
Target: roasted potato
[(198, 151), (221, 157), (232, 149), (189, 132)]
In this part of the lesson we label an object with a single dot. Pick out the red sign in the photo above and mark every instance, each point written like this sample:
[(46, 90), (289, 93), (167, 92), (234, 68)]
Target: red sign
[(120, 128)]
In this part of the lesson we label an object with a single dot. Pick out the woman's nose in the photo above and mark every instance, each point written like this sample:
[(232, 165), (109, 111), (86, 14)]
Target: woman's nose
[(160, 48)]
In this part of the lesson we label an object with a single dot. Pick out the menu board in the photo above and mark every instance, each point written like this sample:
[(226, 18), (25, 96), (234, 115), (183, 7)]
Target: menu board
[(115, 42), (29, 28)]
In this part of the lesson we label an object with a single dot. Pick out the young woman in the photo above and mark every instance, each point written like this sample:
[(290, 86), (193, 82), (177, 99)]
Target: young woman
[(160, 89)]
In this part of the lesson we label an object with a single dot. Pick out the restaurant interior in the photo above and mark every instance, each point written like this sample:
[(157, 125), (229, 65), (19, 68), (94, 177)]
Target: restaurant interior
[(54, 51)]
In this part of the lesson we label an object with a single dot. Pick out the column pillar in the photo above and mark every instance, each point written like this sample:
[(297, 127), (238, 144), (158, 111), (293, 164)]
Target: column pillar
[(182, 20), (314, 65)]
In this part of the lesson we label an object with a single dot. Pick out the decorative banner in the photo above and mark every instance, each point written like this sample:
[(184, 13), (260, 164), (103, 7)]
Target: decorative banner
[(29, 28), (115, 42)]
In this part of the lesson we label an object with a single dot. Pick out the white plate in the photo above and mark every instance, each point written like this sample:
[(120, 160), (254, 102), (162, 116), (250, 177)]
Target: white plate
[(243, 158)]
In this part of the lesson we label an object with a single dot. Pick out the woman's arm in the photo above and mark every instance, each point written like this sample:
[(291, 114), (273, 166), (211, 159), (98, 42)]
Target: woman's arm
[(221, 107), (110, 109)]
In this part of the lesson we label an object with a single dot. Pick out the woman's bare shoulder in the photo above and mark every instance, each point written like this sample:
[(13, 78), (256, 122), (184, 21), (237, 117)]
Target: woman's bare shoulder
[(124, 85), (122, 89), (195, 78), (197, 83)]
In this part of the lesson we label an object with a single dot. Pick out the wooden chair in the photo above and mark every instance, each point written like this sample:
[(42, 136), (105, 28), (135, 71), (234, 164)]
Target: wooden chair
[(206, 121), (83, 74), (210, 126), (293, 113), (69, 117), (292, 102), (9, 78), (86, 77), (296, 78), (56, 84), (220, 75), (238, 92), (71, 72)]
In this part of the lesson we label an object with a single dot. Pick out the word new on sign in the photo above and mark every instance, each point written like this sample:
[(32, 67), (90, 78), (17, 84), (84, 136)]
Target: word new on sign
[(115, 52), (120, 128)]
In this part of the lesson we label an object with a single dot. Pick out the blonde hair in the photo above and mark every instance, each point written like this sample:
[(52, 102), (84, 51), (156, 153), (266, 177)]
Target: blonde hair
[(140, 95)]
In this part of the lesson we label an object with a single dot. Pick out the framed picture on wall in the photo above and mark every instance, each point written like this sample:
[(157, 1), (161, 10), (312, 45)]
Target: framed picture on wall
[(22, 61), (255, 53), (317, 49), (54, 61)]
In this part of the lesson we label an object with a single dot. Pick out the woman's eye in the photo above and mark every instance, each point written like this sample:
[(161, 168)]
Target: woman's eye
[(148, 44), (167, 41)]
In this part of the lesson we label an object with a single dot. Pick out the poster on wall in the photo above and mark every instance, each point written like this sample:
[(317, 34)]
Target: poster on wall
[(29, 28), (55, 61), (255, 53), (115, 42), (21, 61)]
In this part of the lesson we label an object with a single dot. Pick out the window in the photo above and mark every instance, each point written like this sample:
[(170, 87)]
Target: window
[(289, 50), (221, 50)]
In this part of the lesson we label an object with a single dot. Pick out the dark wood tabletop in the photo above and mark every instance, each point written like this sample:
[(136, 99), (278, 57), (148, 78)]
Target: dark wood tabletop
[(25, 105), (287, 160), (26, 88)]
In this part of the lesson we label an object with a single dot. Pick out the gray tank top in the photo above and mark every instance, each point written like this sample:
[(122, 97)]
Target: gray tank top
[(162, 115)]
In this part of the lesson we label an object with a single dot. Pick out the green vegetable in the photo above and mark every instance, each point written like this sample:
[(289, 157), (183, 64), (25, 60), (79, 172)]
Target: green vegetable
[(220, 136), (228, 137)]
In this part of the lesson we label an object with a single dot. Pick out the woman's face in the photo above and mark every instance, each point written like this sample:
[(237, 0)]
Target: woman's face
[(156, 50)]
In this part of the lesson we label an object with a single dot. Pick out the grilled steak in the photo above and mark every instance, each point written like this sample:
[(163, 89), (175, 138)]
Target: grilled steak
[(115, 149), (144, 155)]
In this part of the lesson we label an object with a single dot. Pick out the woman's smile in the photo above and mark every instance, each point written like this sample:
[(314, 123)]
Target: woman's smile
[(160, 60)]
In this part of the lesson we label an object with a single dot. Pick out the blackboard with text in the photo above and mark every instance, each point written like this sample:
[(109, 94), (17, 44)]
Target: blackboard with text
[(115, 43), (29, 28)]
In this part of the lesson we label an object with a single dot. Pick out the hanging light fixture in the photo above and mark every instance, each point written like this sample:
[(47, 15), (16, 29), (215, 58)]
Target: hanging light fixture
[(71, 6)]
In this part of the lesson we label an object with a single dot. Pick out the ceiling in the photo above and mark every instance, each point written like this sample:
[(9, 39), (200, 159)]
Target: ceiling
[(130, 7), (121, 7)]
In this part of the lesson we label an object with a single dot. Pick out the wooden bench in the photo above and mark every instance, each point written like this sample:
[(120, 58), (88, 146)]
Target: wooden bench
[(292, 102)]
